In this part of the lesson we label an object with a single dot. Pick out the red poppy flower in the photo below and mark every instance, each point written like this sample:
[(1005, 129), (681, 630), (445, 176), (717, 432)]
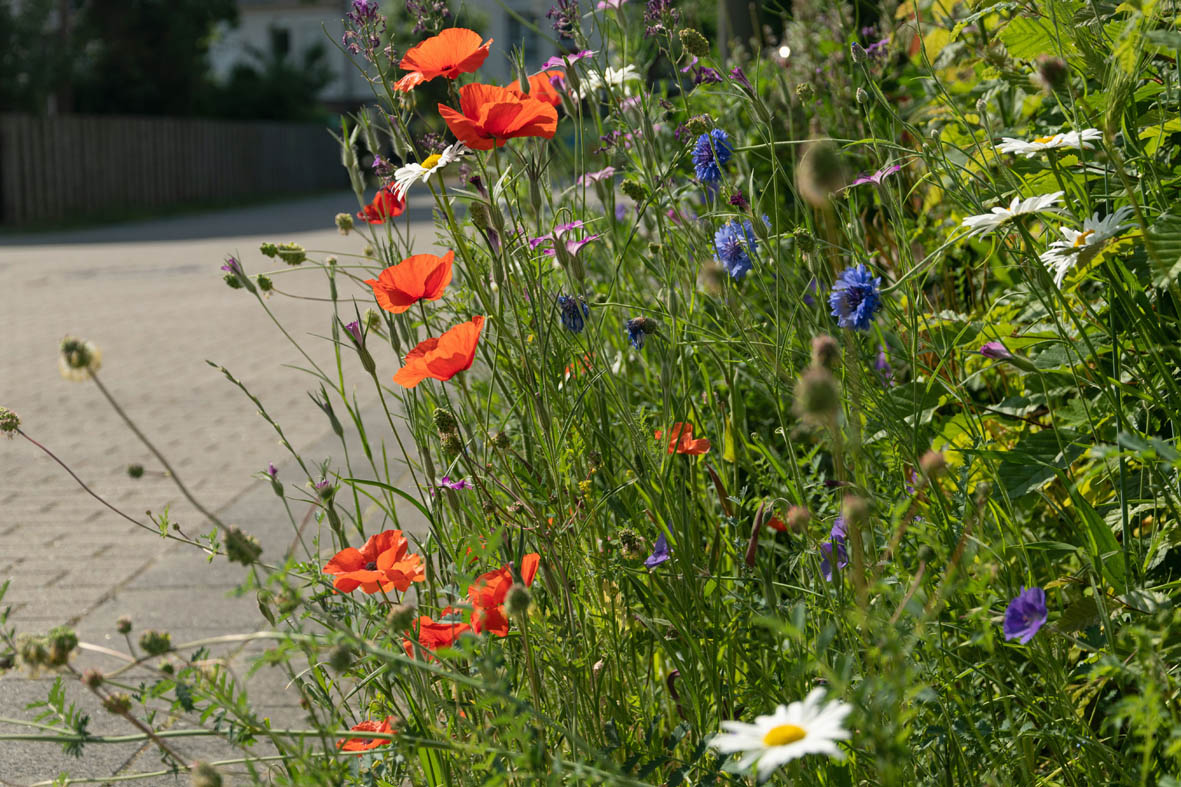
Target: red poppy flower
[(490, 116), (381, 564), (452, 52), (365, 744), (777, 524), (443, 357), (386, 204), (541, 87), (488, 592), (433, 635), (681, 440), (422, 277)]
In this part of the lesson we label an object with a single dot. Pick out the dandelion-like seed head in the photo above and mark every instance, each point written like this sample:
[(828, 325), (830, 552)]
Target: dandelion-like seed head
[(79, 359)]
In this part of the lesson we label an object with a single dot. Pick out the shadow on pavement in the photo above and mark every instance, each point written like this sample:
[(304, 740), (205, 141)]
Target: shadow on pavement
[(277, 219)]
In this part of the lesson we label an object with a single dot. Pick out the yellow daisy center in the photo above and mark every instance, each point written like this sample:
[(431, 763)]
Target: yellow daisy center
[(1081, 240), (783, 735), (430, 161), (1044, 140)]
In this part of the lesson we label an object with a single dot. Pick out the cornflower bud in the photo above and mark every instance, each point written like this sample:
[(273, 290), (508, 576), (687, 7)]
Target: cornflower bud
[(699, 124), (694, 42), (32, 652), (634, 190), (500, 440), (9, 422), (123, 625), (155, 643), (826, 352), (452, 444)]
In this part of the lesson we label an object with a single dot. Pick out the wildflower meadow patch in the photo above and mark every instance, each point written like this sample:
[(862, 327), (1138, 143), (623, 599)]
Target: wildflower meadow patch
[(806, 415)]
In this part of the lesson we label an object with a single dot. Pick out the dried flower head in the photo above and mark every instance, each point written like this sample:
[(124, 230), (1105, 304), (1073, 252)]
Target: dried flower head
[(78, 359)]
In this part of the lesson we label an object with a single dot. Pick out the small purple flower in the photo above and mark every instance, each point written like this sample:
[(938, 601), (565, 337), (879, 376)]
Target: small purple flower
[(604, 5), (995, 351), (882, 365), (446, 482), (837, 535), (659, 552), (573, 245), (573, 317), (810, 292), (562, 61), (354, 329), (877, 177), (564, 15), (660, 17), (233, 266), (620, 211), (1025, 615), (738, 75), (738, 200), (638, 329), (272, 471), (594, 177), (855, 298)]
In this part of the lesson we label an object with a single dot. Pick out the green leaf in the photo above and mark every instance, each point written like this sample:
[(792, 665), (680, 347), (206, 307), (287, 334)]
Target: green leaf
[(1079, 615), (1026, 38), (1101, 542), (1165, 237)]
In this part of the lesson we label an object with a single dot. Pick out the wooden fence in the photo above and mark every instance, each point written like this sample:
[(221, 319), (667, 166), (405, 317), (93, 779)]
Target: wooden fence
[(67, 166)]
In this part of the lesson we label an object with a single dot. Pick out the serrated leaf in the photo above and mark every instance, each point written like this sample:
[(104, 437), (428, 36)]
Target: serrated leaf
[(1026, 38)]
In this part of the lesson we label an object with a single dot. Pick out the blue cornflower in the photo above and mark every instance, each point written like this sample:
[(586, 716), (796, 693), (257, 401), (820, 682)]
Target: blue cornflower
[(710, 154), (837, 543), (734, 242), (573, 311), (855, 298), (659, 554), (1025, 614)]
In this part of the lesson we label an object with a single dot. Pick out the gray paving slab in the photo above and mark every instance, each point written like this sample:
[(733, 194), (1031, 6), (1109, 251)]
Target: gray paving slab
[(151, 296)]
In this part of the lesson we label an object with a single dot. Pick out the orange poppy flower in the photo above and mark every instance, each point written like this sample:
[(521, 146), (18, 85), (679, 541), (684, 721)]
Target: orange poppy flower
[(382, 563), (365, 744), (433, 635), (386, 205), (422, 277), (681, 440), (541, 88), (488, 592), (777, 524), (490, 116), (452, 52), (443, 357)]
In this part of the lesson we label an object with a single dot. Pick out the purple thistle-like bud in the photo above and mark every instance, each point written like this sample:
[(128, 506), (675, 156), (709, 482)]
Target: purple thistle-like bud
[(738, 200), (738, 75), (995, 351), (564, 15)]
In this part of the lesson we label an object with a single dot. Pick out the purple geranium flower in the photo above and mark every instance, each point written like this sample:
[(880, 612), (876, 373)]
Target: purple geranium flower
[(573, 245), (838, 542), (876, 177), (659, 553), (446, 481), (995, 351), (561, 61), (595, 177), (1025, 615)]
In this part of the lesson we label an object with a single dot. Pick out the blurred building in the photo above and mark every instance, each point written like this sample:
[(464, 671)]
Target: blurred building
[(297, 25)]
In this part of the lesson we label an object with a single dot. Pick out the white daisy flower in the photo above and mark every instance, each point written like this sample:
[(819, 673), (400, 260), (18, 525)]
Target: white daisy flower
[(611, 77), (407, 174), (1070, 139), (1083, 245), (987, 222), (808, 727)]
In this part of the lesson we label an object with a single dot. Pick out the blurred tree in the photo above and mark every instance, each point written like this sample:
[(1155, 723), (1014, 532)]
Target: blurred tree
[(146, 56), (33, 64), (275, 86)]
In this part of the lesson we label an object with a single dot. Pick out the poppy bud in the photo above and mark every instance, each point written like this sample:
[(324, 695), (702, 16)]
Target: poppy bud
[(204, 775), (825, 352), (798, 518), (400, 617), (804, 240), (518, 600), (820, 173), (123, 625), (694, 42), (341, 658), (242, 548), (862, 96), (817, 395), (155, 642), (372, 319), (9, 422), (933, 464), (119, 704), (344, 223)]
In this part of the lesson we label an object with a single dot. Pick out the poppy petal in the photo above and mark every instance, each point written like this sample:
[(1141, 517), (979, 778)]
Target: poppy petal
[(345, 560), (529, 565)]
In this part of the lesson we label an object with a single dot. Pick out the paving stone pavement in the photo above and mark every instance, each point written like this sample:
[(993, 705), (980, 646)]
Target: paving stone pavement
[(150, 295)]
